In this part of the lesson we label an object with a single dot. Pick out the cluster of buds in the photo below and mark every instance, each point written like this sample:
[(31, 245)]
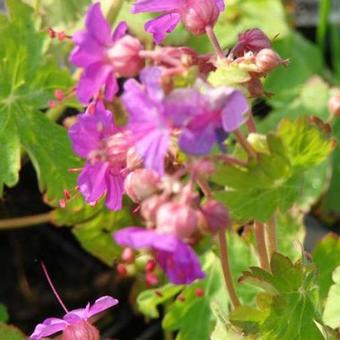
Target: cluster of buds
[(253, 52)]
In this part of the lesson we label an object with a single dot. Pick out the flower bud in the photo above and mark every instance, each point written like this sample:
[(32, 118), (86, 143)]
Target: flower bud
[(81, 330), (216, 215), (253, 40), (198, 14), (267, 60), (125, 58), (133, 160), (149, 208), (150, 266), (334, 105), (128, 255), (151, 279), (141, 184), (177, 218)]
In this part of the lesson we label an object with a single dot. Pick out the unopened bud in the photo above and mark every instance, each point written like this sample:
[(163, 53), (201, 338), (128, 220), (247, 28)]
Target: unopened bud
[(128, 255), (334, 105), (253, 40), (267, 60), (59, 94), (125, 57), (198, 14), (199, 292), (141, 184), (51, 32), (151, 279), (61, 36), (81, 330), (150, 266), (177, 218), (52, 104), (149, 208), (216, 215), (133, 160), (121, 269)]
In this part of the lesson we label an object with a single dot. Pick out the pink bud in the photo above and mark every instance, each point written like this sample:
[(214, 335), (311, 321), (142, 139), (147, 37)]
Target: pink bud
[(199, 292), (334, 105), (151, 279), (150, 266), (52, 104), (81, 330), (198, 14), (59, 94), (177, 218), (267, 60), (253, 40), (133, 160), (125, 57), (121, 269), (141, 184), (216, 215), (51, 32), (128, 255), (149, 208)]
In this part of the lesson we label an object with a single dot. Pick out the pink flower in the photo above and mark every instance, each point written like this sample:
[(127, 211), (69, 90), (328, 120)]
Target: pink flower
[(196, 15), (96, 52), (175, 257), (74, 318), (96, 138)]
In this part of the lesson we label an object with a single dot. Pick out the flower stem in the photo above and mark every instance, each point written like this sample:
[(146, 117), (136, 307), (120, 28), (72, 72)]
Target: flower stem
[(27, 221), (214, 42), (261, 245), (226, 268), (114, 10), (251, 123), (227, 159), (271, 236), (245, 144)]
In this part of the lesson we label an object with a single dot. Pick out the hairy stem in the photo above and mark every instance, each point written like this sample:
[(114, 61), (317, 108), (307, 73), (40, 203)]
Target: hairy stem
[(245, 144), (227, 159), (251, 123), (22, 222), (114, 10), (214, 42), (261, 245), (271, 236), (226, 268)]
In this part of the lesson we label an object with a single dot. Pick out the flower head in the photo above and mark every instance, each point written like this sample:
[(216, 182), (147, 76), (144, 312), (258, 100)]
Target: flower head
[(75, 318), (96, 52), (196, 15), (96, 138), (175, 257), (216, 112)]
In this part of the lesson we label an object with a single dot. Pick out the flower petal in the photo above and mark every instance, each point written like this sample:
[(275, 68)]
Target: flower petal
[(143, 6), (220, 4), (92, 181), (115, 191), (92, 79), (139, 238), (97, 26), (120, 31), (182, 265), (48, 327), (111, 87), (151, 78), (233, 115), (101, 304), (162, 25)]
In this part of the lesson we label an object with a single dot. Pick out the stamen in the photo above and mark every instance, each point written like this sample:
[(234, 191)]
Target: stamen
[(52, 287)]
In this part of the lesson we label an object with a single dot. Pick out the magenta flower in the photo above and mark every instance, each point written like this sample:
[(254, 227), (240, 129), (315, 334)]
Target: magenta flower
[(219, 111), (176, 258), (51, 326), (147, 118), (95, 138), (96, 52), (196, 15)]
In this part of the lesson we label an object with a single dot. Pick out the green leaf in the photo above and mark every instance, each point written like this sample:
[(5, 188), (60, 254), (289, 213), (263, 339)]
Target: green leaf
[(9, 332), (95, 235), (149, 299), (27, 83), (326, 257), (295, 147), (331, 314), (3, 313), (288, 309)]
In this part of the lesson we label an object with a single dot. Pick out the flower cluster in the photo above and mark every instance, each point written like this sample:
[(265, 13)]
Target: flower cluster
[(161, 154)]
